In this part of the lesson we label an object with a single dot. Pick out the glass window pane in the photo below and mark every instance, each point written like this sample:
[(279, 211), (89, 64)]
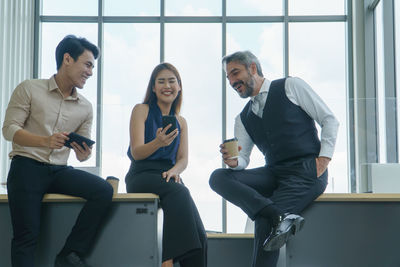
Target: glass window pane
[(254, 8), (316, 7), (198, 59), (397, 49), (256, 38), (320, 60), (70, 8), (131, 7), (193, 8), (52, 34), (380, 83), (130, 53)]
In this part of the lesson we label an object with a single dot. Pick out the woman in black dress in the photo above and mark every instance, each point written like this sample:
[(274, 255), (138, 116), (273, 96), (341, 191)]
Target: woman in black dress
[(157, 160)]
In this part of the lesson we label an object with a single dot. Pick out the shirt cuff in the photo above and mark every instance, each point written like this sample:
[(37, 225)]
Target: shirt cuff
[(326, 151), (241, 164), (10, 131)]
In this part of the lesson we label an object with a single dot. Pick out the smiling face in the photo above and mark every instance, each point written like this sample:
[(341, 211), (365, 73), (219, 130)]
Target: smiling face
[(80, 70), (240, 79), (166, 86)]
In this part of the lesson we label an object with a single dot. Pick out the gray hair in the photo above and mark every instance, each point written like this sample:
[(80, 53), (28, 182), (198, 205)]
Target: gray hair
[(244, 58)]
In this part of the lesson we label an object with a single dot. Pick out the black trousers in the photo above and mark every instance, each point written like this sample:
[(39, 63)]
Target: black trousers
[(184, 238), (28, 180), (291, 186)]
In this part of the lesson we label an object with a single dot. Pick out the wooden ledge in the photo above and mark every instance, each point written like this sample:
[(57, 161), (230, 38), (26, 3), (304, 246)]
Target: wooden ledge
[(362, 197), (136, 197), (225, 235)]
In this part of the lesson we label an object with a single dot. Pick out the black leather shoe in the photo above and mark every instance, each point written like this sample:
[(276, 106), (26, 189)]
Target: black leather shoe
[(71, 260), (288, 225)]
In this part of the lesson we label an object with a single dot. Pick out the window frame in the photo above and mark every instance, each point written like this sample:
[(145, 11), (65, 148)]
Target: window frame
[(371, 116), (223, 20)]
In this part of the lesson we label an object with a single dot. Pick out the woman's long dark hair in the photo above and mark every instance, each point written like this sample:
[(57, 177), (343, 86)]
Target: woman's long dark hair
[(151, 97)]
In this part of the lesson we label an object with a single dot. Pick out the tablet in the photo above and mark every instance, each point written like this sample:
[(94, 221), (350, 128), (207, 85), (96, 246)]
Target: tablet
[(79, 139)]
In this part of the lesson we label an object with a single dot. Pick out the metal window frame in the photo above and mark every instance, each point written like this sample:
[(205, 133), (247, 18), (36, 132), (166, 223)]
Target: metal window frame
[(389, 80), (224, 20), (351, 140)]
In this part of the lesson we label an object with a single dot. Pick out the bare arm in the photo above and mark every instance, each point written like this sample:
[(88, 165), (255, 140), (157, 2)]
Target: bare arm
[(139, 149), (182, 155)]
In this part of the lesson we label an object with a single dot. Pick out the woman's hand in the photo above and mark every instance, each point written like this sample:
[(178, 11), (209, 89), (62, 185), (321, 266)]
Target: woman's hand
[(171, 174), (166, 139)]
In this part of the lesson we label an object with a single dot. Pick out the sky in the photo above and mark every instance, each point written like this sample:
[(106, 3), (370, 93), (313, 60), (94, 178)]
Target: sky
[(316, 54), (397, 42)]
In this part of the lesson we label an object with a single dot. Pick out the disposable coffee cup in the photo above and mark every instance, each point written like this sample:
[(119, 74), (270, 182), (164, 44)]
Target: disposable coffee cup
[(114, 181), (232, 146)]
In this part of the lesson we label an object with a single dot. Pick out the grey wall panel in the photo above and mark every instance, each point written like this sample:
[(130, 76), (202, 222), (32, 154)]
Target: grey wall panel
[(347, 234), (336, 234), (224, 252), (129, 238)]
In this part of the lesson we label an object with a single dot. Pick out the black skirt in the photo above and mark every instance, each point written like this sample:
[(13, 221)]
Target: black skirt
[(184, 237)]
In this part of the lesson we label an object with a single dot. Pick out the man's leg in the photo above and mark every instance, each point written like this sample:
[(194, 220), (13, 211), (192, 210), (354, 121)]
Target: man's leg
[(27, 182), (298, 187), (247, 189), (261, 258), (98, 194), (250, 190)]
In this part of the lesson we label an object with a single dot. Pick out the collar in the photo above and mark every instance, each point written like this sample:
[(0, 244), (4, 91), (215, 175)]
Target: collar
[(264, 89), (53, 86)]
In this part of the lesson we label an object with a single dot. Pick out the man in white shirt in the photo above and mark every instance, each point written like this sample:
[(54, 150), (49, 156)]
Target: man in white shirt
[(39, 117), (280, 120)]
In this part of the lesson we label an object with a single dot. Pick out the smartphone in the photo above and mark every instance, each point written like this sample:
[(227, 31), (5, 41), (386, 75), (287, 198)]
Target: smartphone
[(169, 120), (79, 139)]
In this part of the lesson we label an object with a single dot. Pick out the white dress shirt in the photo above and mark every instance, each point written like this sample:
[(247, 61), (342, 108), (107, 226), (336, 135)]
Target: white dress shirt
[(302, 95)]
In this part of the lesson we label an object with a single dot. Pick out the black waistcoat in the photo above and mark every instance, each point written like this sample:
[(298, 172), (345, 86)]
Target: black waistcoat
[(285, 131)]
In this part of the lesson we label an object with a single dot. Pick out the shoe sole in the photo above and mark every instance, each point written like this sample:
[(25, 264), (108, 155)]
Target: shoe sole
[(278, 241)]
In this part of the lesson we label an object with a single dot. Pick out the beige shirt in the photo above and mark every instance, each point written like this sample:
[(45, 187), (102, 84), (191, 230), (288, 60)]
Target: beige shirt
[(39, 107)]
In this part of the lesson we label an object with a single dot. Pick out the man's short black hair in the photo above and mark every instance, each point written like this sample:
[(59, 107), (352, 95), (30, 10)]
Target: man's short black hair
[(74, 46)]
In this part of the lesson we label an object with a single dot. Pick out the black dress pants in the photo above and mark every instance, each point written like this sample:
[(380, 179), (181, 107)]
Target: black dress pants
[(291, 186), (28, 181), (184, 238)]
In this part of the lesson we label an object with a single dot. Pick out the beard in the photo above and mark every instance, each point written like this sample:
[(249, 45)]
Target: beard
[(249, 84)]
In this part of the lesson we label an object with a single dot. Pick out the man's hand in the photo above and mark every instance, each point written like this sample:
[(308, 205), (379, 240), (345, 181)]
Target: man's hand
[(322, 164), (57, 140), (82, 153), (226, 157)]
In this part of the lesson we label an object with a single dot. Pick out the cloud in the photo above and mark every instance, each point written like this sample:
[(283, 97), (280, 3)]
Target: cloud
[(131, 51), (255, 7), (193, 8), (271, 51), (189, 10)]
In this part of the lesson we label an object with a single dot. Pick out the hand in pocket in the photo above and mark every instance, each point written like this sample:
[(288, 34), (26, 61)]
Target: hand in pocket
[(321, 165)]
